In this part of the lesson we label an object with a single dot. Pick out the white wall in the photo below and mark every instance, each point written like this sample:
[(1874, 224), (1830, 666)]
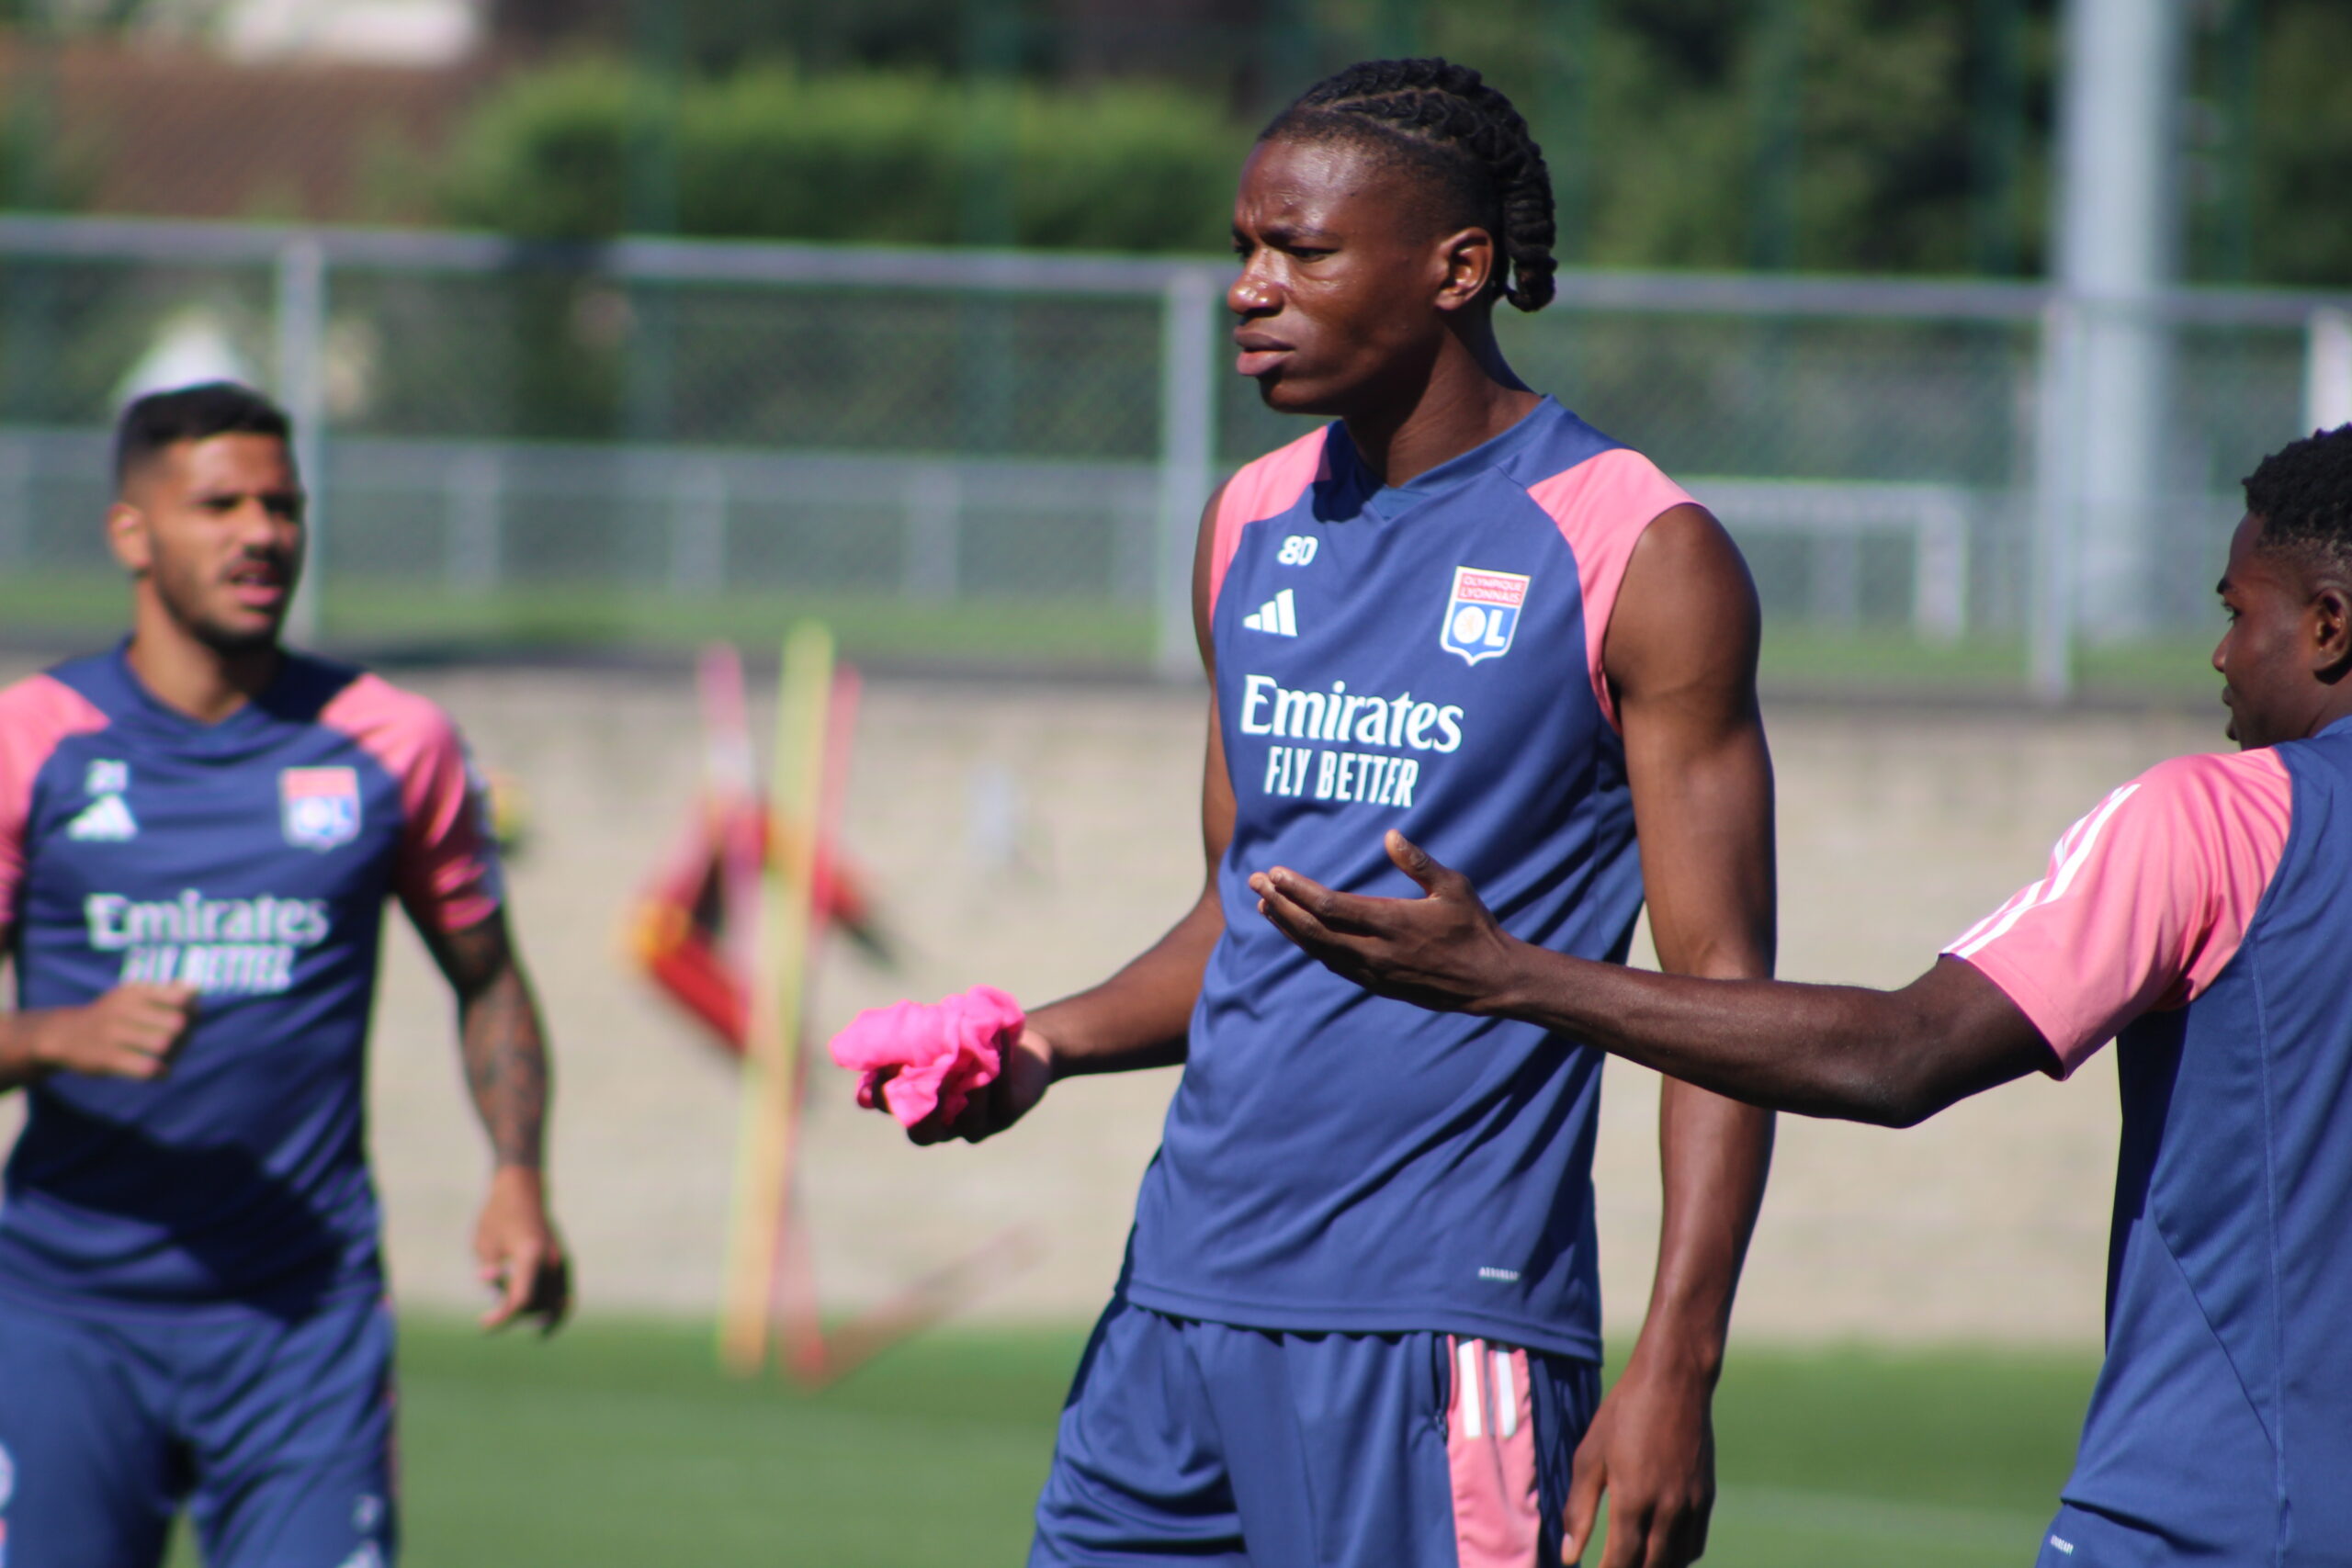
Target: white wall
[(1898, 827)]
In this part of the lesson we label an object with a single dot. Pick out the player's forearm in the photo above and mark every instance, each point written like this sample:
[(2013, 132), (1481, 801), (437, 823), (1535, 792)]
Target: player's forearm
[(506, 1069), (1714, 1154), (1840, 1050), (1140, 1016)]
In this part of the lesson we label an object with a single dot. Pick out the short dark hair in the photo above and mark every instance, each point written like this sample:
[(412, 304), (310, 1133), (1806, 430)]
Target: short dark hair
[(192, 413), (1444, 120), (2302, 493)]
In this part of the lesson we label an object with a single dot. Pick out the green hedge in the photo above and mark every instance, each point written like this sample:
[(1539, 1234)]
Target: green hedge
[(770, 152)]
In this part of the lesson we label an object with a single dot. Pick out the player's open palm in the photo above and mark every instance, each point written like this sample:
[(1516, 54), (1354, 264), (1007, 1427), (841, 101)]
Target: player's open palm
[(132, 1031), (1443, 951), (1651, 1453)]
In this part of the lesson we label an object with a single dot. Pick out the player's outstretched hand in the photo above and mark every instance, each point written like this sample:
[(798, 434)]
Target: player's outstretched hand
[(132, 1031), (1020, 1083), (1443, 952), (520, 1255)]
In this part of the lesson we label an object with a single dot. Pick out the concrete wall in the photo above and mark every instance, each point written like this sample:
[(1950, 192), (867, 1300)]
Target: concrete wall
[(1033, 837)]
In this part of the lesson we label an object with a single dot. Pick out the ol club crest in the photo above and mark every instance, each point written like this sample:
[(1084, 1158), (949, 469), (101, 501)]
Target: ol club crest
[(1482, 612), (319, 806)]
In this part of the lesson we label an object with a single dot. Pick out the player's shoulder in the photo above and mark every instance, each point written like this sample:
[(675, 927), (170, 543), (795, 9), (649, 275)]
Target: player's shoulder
[(2214, 810), (390, 720), (2208, 783), (55, 702), (1270, 485), (1589, 484)]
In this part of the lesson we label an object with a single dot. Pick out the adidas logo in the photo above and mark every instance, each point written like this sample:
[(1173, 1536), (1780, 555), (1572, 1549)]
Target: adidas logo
[(1278, 615), (105, 821)]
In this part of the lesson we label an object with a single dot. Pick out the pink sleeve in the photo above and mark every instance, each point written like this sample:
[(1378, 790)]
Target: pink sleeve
[(447, 874), (1601, 507), (35, 715), (2146, 900), (1266, 487)]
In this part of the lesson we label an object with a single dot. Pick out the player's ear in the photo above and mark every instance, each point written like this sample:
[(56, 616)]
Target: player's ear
[(1469, 259), (2328, 619), (128, 538)]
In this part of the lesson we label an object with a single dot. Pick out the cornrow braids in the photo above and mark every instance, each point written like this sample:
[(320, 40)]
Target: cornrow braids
[(1446, 119)]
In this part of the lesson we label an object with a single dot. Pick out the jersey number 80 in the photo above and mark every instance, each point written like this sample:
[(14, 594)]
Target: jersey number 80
[(1298, 549)]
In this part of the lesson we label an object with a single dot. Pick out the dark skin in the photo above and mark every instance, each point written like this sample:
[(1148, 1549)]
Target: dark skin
[(1890, 1057), (211, 533), (1358, 298)]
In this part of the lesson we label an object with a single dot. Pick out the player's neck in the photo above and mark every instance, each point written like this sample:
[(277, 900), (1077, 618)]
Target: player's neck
[(2334, 707), (1469, 396), (188, 676)]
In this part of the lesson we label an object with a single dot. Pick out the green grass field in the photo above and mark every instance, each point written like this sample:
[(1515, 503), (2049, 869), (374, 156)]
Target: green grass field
[(620, 1444)]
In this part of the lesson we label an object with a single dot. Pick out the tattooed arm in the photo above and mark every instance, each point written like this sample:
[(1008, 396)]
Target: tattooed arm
[(506, 1071)]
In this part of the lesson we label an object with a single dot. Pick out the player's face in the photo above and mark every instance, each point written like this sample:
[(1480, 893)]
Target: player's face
[(1340, 273), (214, 528), (2266, 655)]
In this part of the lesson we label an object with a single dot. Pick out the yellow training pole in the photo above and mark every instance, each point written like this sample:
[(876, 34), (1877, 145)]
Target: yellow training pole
[(771, 1056)]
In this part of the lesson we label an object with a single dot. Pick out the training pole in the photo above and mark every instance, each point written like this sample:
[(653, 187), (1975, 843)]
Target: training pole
[(803, 1353), (771, 1061)]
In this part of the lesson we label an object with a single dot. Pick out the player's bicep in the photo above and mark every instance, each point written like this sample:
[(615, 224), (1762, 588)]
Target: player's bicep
[(1216, 781), (1680, 659), (1205, 568), (1218, 805)]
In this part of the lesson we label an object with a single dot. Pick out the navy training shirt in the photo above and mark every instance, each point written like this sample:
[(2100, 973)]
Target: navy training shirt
[(251, 858), (1426, 657), (2199, 918)]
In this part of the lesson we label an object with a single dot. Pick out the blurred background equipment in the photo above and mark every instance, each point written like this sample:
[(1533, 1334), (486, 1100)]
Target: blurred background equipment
[(731, 933)]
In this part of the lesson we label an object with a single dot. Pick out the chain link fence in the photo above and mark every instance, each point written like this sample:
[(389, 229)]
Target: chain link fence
[(998, 457)]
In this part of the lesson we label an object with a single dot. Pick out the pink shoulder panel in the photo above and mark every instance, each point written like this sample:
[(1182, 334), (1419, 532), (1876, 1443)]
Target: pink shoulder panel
[(2145, 901), (447, 873), (1600, 507), (1263, 488), (35, 716)]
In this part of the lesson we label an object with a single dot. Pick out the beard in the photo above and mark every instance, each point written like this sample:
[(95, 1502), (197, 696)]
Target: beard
[(182, 595)]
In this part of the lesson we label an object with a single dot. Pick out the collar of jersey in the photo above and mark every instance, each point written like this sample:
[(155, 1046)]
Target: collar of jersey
[(1389, 501), (253, 722)]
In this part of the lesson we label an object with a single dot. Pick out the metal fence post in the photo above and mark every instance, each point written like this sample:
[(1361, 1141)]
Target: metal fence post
[(698, 532), (2051, 596), (16, 502), (1939, 572), (2327, 370), (1187, 450), (301, 309), (932, 567), (476, 548)]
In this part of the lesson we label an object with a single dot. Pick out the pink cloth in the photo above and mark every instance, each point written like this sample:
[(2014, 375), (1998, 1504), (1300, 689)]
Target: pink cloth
[(937, 1055), (2146, 900)]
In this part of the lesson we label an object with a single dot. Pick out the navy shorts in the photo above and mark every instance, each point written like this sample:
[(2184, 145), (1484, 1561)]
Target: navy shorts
[(274, 1432), (1214, 1444)]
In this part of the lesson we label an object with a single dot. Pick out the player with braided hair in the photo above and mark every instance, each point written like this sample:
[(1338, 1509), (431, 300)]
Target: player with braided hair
[(1460, 131), (1360, 1320)]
